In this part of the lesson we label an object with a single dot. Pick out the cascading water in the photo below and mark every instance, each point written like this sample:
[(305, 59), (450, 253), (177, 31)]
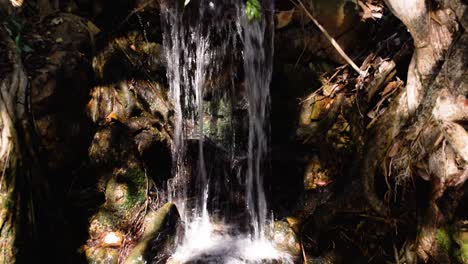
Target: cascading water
[(257, 38), (200, 43)]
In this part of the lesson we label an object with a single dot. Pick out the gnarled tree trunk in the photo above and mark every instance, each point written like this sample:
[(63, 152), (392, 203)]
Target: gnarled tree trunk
[(433, 105), (13, 84)]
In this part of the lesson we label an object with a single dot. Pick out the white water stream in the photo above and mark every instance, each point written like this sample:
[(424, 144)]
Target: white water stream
[(196, 47)]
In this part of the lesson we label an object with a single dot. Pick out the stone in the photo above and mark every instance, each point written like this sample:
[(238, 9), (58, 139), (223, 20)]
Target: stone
[(461, 239), (160, 228), (284, 238), (101, 255)]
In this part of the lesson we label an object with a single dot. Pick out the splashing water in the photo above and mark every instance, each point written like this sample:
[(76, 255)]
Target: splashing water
[(198, 41)]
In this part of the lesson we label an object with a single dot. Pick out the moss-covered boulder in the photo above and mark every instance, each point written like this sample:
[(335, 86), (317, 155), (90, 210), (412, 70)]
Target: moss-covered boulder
[(125, 193), (159, 236), (461, 239), (284, 238)]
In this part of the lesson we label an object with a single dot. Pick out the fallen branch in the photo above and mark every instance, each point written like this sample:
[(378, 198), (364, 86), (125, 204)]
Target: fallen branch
[(331, 39)]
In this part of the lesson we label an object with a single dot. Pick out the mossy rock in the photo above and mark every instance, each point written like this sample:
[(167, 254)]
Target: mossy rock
[(461, 239), (160, 228), (284, 238), (444, 241), (102, 255), (112, 145), (317, 174)]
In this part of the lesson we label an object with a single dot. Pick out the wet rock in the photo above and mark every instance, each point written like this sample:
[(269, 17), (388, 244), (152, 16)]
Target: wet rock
[(318, 114), (284, 238), (329, 257), (101, 255), (158, 239), (131, 149), (126, 99), (122, 179), (111, 145), (130, 57), (114, 219)]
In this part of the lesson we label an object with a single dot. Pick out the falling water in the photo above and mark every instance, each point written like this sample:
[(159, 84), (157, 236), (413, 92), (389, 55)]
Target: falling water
[(258, 66), (192, 60), (198, 40)]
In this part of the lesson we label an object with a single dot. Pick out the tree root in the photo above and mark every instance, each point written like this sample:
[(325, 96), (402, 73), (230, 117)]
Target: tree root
[(12, 108)]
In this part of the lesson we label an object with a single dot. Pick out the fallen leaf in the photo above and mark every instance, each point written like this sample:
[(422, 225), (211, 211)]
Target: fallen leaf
[(390, 87), (92, 28), (394, 150), (283, 18), (322, 183), (370, 11), (56, 21), (112, 117), (424, 175)]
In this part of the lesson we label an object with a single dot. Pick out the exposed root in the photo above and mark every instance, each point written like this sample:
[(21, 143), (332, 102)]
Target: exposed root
[(12, 110)]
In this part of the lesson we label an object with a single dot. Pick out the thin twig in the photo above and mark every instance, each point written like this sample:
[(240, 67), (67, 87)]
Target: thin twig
[(332, 40), (303, 252), (395, 253)]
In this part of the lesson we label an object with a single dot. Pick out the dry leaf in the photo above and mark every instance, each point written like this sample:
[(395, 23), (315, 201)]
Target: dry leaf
[(112, 117), (56, 21), (92, 28), (394, 150), (16, 3), (424, 175), (390, 87), (283, 18), (370, 11)]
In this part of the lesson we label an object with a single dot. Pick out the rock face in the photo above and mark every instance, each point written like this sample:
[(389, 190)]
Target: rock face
[(130, 150), (61, 78)]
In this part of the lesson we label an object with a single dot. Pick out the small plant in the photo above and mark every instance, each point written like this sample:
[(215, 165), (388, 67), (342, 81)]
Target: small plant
[(253, 10)]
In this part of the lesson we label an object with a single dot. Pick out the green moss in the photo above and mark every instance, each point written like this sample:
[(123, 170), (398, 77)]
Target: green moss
[(444, 241), (136, 181), (124, 192), (461, 251), (106, 220), (102, 255)]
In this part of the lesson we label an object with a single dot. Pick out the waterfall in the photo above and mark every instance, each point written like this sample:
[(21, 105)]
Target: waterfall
[(200, 42), (192, 59), (257, 38)]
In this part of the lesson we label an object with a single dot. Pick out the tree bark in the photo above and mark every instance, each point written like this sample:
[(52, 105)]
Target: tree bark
[(13, 83), (435, 98)]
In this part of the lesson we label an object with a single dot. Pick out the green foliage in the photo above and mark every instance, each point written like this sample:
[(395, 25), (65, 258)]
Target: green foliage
[(15, 30), (253, 10)]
